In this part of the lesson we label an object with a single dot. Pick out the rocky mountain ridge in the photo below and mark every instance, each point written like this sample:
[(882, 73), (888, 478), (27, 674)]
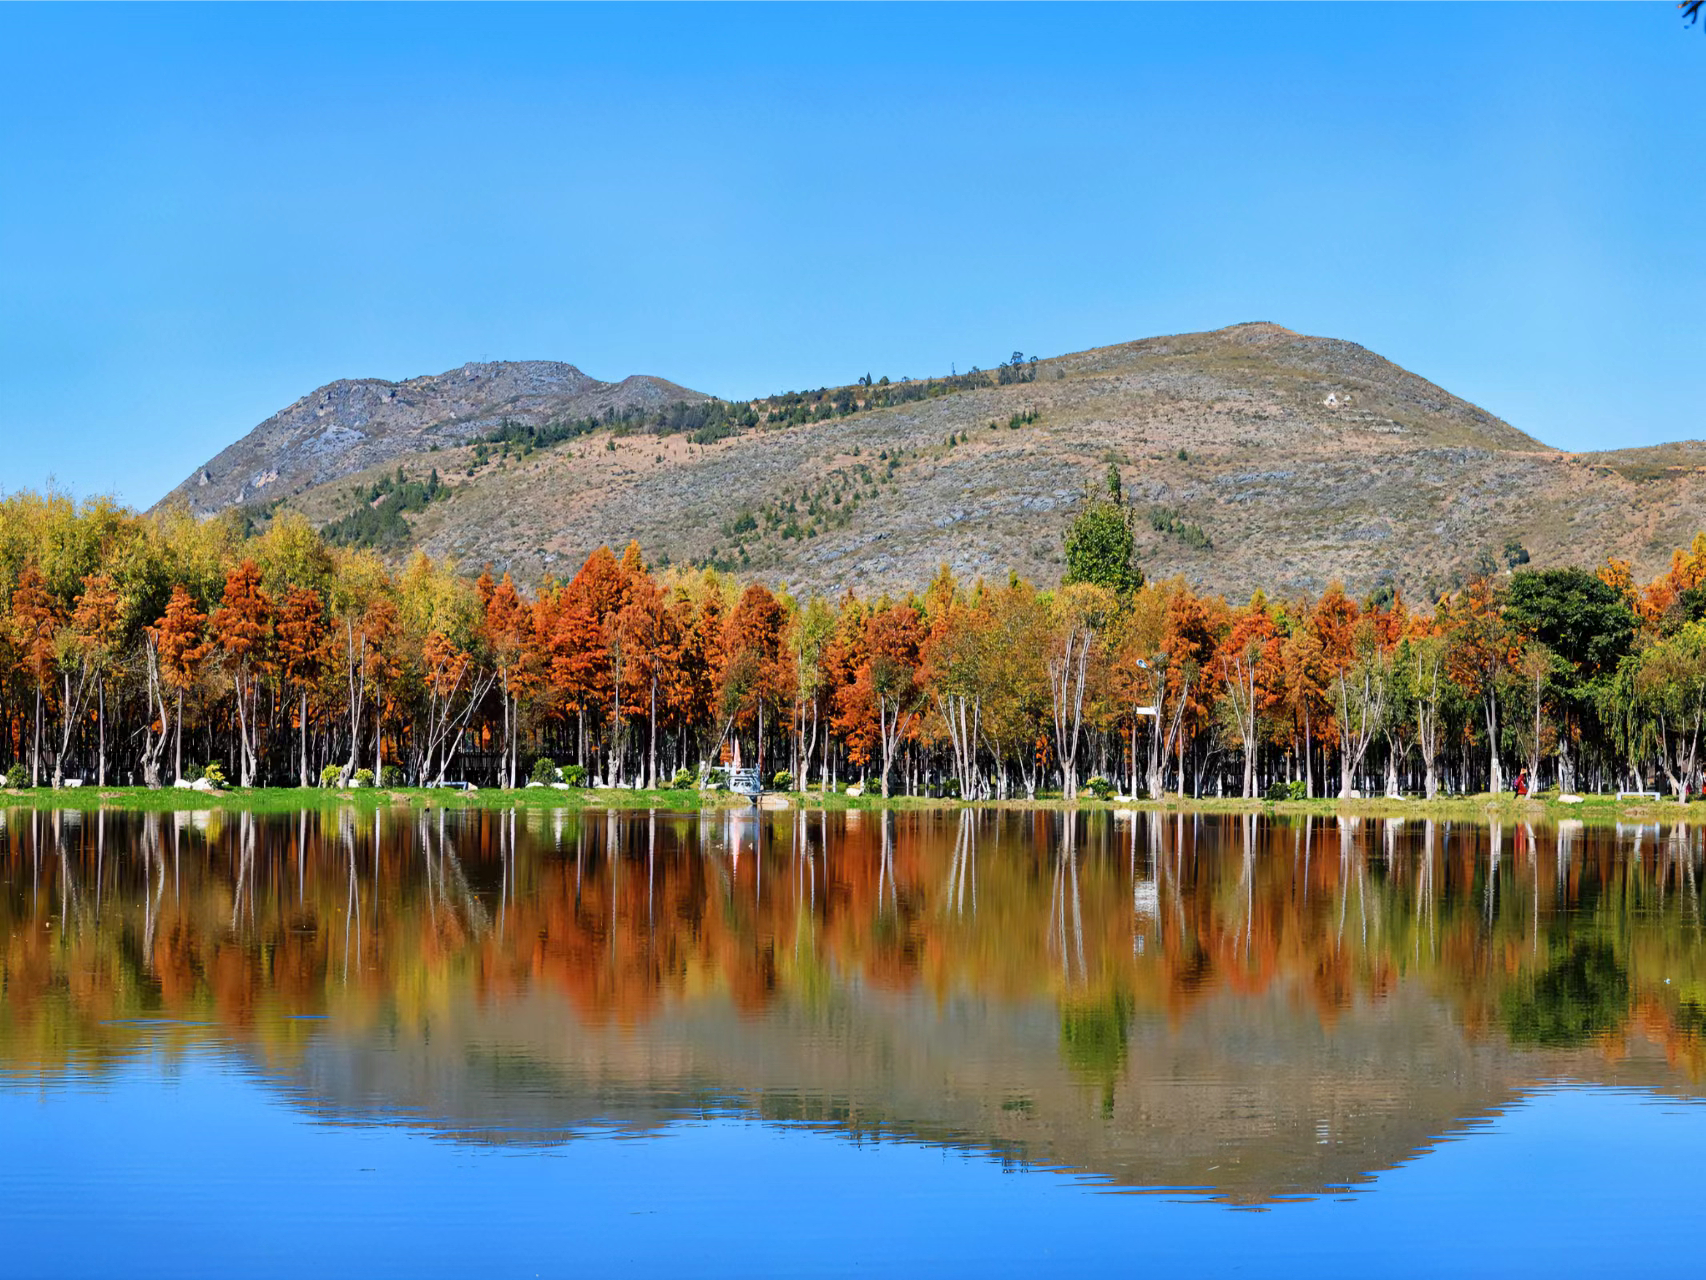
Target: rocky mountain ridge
[(355, 423)]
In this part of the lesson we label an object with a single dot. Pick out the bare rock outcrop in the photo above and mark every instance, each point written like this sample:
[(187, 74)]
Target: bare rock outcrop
[(353, 424)]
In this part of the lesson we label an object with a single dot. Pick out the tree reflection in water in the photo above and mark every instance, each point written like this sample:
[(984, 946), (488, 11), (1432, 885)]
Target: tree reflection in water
[(1211, 985)]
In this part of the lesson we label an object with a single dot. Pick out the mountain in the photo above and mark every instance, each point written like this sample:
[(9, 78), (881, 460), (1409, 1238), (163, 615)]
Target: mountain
[(353, 424), (1252, 456)]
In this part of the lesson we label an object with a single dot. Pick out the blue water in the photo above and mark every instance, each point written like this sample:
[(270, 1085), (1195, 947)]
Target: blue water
[(196, 1168), (985, 1045)]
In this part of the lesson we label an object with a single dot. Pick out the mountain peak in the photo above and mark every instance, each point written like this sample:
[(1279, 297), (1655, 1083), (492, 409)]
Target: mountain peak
[(355, 423), (1255, 331)]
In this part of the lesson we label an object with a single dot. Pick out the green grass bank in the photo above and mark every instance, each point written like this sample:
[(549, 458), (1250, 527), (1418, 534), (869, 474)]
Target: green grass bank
[(1506, 807)]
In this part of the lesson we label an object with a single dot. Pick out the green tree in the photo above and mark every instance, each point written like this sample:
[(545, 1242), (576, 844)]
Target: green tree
[(1581, 619), (1589, 626), (1099, 547), (1670, 690)]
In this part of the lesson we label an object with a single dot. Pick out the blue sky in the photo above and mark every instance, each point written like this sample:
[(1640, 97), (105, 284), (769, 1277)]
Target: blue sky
[(205, 212)]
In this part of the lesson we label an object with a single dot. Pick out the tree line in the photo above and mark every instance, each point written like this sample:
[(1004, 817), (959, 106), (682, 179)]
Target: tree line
[(142, 649)]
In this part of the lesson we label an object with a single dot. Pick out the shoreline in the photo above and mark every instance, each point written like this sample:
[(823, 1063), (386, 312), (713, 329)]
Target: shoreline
[(1506, 807)]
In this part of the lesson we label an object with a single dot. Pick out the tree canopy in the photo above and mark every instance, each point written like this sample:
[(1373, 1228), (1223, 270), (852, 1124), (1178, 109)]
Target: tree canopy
[(1100, 548)]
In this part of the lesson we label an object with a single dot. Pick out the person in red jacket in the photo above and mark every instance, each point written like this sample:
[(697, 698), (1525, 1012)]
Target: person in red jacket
[(1522, 783)]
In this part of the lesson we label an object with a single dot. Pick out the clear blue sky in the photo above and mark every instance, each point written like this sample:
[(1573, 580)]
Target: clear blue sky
[(206, 212)]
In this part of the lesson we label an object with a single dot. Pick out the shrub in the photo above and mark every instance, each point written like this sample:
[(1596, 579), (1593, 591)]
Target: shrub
[(783, 781), (716, 779), (1284, 791), (363, 777), (1099, 787), (683, 780), (192, 773), (544, 771), (214, 774), (329, 775), (574, 775), (17, 777), (1168, 520), (391, 776)]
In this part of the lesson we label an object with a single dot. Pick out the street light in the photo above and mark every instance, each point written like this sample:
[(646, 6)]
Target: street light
[(1145, 711)]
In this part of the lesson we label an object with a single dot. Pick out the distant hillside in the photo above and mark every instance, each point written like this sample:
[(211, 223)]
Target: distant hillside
[(352, 424), (1252, 456)]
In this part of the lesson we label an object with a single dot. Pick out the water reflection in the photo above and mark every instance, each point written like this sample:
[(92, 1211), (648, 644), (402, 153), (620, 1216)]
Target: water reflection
[(1256, 1007)]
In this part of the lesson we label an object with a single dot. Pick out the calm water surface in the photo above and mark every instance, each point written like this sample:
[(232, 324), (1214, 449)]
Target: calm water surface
[(534, 1043)]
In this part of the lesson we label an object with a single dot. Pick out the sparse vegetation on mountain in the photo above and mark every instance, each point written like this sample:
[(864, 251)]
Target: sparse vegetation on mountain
[(1251, 456), (1167, 520), (378, 520)]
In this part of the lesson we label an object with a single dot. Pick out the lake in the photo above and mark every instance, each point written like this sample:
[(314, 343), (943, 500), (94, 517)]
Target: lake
[(534, 1043)]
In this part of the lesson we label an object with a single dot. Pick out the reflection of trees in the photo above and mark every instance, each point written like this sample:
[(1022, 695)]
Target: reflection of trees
[(258, 920), (1579, 997), (1093, 1037), (1066, 909), (963, 870)]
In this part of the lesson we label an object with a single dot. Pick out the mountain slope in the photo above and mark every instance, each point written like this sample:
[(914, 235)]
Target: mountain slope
[(1252, 457), (352, 424)]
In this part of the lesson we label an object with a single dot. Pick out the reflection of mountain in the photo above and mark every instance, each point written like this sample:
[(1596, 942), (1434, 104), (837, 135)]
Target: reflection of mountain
[(1250, 1098), (1262, 1009)]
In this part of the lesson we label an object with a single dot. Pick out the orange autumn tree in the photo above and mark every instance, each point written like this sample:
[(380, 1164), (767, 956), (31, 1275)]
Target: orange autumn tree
[(886, 682), (181, 648), (1080, 613), (504, 627), (1142, 679), (1251, 677), (455, 686), (651, 638), (1686, 573), (691, 692), (578, 644), (385, 665), (302, 634), (86, 652), (1190, 637), (753, 678), (1358, 654), (1305, 678), (558, 623), (852, 719), (1481, 650), (242, 629), (1619, 575), (954, 673), (364, 607), (619, 655)]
